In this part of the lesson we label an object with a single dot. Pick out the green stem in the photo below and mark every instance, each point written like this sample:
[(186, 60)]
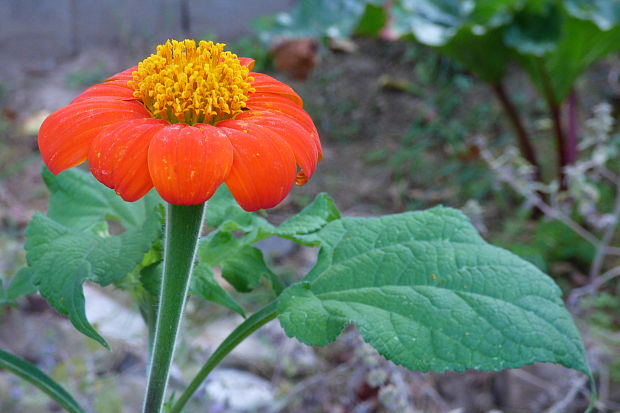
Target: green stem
[(148, 310), (250, 325), (183, 224)]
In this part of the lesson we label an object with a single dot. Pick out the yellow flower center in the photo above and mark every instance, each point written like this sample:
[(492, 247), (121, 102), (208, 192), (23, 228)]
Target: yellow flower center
[(189, 84)]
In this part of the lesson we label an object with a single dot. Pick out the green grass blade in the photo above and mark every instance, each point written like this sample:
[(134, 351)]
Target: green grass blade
[(32, 374)]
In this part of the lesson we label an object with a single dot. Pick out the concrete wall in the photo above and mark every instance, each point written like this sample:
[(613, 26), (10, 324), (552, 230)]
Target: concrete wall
[(44, 30)]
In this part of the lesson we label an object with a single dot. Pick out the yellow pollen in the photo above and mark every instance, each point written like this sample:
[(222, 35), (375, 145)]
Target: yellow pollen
[(185, 83)]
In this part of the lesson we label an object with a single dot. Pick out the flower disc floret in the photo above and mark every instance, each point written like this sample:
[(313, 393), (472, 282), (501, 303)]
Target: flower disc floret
[(185, 83)]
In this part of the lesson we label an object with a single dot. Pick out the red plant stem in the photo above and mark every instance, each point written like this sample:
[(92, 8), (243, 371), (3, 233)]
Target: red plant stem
[(571, 144), (556, 119), (525, 144)]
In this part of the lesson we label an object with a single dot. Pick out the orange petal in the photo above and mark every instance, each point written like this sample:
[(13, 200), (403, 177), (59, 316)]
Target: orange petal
[(65, 136), (278, 104), (266, 84), (298, 138), (125, 74), (118, 156), (247, 61), (106, 90), (188, 163), (263, 169)]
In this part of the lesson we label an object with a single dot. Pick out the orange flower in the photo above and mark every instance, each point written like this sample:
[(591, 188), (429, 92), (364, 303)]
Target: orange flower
[(185, 120)]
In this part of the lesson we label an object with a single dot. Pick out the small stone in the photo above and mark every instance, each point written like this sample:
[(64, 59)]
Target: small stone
[(238, 391)]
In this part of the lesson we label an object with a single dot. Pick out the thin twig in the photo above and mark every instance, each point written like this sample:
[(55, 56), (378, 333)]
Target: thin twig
[(561, 405), (592, 287), (531, 379), (608, 234), (610, 175), (568, 221), (304, 384)]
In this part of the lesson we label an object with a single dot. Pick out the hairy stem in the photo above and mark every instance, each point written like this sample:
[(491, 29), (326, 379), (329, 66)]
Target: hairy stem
[(250, 325), (183, 224)]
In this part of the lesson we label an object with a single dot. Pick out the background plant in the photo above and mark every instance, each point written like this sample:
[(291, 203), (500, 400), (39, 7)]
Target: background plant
[(553, 42)]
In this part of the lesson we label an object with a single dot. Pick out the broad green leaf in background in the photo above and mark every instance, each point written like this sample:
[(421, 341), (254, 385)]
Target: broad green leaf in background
[(372, 21), (485, 55), (333, 18), (535, 32), (468, 32), (604, 13), (429, 293), (435, 22), (80, 202), (62, 258), (581, 44)]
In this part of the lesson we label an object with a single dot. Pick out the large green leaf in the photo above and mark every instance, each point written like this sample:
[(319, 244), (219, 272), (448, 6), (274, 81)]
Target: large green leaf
[(436, 22), (604, 13), (582, 43), (36, 377), (469, 32), (62, 259), (80, 202), (429, 293), (535, 32), (333, 18)]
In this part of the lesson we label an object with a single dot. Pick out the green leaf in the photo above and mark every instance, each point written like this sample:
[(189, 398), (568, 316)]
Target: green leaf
[(62, 258), (585, 31), (429, 293), (372, 21), (312, 218), (244, 265), (36, 377), (604, 13), (436, 22), (217, 246), (332, 18), (485, 55), (535, 32), (471, 33), (150, 279), (244, 269), (224, 213), (80, 202), (22, 284), (205, 286)]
